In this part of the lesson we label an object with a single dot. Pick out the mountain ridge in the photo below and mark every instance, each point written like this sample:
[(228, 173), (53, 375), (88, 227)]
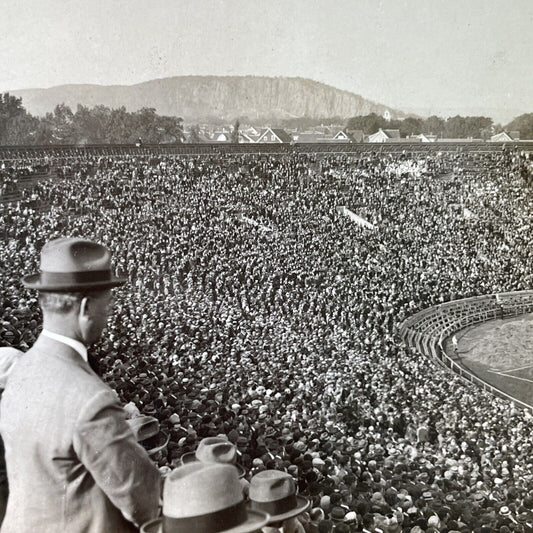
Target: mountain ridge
[(197, 98)]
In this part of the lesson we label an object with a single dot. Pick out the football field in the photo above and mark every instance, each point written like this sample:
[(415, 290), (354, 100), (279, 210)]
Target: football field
[(499, 352)]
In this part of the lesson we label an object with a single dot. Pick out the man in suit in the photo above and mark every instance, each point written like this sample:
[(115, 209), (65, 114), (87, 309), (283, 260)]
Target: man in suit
[(73, 463), (8, 357)]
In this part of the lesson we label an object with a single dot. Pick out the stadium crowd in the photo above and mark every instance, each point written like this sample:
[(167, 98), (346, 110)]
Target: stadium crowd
[(257, 310)]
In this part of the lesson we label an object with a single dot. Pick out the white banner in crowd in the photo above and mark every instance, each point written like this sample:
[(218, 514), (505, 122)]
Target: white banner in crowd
[(252, 222), (468, 214), (355, 218)]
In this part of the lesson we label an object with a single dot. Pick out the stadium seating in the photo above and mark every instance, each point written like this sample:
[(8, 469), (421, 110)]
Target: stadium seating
[(427, 330), (288, 340)]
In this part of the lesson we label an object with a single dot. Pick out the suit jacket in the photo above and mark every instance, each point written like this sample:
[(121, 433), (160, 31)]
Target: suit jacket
[(8, 358), (73, 463)]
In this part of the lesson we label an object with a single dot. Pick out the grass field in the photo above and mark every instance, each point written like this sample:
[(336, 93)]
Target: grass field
[(500, 352)]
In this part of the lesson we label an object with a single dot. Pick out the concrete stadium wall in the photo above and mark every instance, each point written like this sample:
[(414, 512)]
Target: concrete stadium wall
[(427, 330)]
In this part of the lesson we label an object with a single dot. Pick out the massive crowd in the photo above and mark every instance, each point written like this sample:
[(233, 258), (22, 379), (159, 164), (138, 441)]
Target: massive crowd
[(256, 309)]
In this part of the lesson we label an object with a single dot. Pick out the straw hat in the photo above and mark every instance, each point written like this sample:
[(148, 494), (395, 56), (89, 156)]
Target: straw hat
[(274, 492), (72, 264), (214, 450), (205, 498)]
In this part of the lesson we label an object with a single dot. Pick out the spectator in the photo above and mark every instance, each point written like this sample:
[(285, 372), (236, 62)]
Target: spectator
[(274, 492), (205, 498), (73, 415)]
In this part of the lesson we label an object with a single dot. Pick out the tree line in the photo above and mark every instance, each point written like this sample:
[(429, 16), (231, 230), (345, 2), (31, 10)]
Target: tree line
[(97, 125), (102, 125), (457, 127)]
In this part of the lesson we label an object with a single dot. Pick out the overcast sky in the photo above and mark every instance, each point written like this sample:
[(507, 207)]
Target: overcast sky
[(424, 54)]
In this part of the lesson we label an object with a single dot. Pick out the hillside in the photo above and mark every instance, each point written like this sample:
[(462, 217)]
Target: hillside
[(197, 98)]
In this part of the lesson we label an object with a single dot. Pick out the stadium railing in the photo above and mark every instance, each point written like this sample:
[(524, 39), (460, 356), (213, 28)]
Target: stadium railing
[(13, 153), (427, 330)]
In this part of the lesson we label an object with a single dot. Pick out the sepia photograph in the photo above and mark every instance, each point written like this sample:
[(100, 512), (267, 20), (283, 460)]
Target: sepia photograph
[(266, 267)]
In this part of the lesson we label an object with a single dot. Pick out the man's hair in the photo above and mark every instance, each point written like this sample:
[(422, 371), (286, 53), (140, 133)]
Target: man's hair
[(63, 302)]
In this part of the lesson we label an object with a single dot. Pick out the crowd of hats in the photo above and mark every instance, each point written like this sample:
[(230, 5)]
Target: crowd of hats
[(258, 311), (12, 174)]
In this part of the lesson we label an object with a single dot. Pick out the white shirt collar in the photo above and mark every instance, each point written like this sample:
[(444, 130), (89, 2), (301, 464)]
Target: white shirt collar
[(73, 343)]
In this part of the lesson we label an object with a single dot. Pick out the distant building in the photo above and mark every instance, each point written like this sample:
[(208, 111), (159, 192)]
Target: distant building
[(328, 131), (349, 136), (342, 137), (309, 137), (384, 136), (276, 135), (221, 137), (423, 137), (505, 136), (387, 116), (252, 132), (245, 138)]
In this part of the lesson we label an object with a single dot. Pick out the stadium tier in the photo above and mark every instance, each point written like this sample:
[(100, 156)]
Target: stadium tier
[(427, 330)]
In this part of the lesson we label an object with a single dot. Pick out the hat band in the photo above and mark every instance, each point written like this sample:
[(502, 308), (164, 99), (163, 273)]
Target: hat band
[(278, 506), (87, 276), (228, 459), (208, 523)]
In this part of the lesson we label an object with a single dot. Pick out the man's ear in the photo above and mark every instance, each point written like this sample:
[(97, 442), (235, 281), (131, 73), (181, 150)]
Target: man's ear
[(84, 307)]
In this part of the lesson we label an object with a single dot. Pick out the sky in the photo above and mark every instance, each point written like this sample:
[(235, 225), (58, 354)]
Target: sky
[(425, 55)]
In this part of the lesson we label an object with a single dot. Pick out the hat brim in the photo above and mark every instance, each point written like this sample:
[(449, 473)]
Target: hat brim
[(190, 457), (144, 427), (155, 444), (33, 281), (255, 521), (153, 526), (302, 506)]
